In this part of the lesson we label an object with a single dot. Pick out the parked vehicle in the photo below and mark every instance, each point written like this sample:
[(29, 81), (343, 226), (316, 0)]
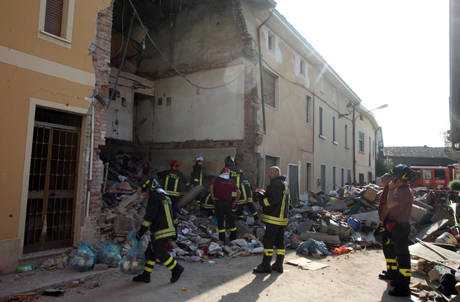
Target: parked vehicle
[(433, 176)]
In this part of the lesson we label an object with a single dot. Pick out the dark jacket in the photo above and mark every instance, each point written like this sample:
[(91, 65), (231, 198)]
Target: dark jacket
[(276, 202), (173, 182), (198, 176), (243, 185), (158, 216)]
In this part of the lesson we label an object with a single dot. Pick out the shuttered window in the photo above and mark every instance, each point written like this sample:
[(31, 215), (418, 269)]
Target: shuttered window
[(53, 17)]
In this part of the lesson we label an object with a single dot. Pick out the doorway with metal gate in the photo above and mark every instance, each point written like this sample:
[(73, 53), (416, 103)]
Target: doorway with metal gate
[(52, 181)]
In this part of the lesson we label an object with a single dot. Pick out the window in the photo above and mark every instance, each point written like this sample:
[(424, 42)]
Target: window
[(54, 14), (370, 151), (308, 177), (342, 179), (349, 176), (270, 81), (369, 177), (361, 142), (308, 108), (427, 174), (439, 174), (321, 121), (323, 178), (361, 179), (56, 21), (334, 183), (346, 136), (271, 41), (302, 67), (333, 129)]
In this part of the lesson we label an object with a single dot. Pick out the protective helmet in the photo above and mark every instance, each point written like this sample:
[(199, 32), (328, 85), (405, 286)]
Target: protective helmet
[(229, 161), (174, 164), (403, 172), (151, 185)]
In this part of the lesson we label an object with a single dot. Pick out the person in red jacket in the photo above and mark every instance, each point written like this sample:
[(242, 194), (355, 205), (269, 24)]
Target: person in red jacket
[(387, 245), (225, 194), (396, 214)]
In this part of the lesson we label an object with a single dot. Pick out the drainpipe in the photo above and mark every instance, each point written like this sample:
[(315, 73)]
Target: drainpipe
[(354, 143), (261, 70)]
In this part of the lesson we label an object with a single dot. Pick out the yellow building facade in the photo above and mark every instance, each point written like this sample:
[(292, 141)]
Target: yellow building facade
[(47, 79)]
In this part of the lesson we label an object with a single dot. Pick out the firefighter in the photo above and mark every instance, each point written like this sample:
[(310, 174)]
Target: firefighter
[(225, 193), (390, 273), (158, 219), (396, 215), (275, 204), (244, 187), (199, 178), (173, 182)]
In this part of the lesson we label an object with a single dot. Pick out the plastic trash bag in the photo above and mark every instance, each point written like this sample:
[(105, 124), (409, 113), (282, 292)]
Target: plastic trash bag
[(84, 258), (313, 248), (110, 254), (133, 262)]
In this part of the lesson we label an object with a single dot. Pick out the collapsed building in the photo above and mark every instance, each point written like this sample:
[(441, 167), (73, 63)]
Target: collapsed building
[(164, 80)]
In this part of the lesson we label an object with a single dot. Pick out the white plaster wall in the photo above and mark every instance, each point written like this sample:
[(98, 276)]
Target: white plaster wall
[(198, 114), (326, 151), (362, 159)]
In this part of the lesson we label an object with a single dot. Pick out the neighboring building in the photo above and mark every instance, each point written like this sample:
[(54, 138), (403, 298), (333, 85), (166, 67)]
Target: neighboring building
[(53, 59), (418, 156)]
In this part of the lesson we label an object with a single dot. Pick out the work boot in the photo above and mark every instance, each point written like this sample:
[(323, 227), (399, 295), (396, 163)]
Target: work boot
[(278, 265), (176, 273), (264, 267), (386, 276), (400, 291), (144, 277)]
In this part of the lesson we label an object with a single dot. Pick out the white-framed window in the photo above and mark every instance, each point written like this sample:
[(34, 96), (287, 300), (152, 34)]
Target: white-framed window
[(333, 129), (346, 137), (56, 21), (271, 40), (302, 68), (321, 133), (334, 178), (361, 142), (308, 106), (270, 87)]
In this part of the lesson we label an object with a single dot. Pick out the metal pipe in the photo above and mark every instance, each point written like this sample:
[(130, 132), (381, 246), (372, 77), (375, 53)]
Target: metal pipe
[(261, 70)]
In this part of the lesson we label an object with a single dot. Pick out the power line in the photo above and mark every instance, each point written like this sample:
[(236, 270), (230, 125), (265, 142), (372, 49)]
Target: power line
[(177, 71)]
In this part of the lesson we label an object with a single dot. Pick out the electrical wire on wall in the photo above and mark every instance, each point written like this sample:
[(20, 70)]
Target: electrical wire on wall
[(176, 70)]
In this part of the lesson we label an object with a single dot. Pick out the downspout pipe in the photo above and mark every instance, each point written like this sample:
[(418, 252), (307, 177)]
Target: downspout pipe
[(261, 70)]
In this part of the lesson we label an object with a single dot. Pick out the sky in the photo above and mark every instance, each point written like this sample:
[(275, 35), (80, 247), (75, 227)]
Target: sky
[(393, 52)]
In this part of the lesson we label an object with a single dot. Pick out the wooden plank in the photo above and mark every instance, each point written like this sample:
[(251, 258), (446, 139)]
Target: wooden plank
[(432, 229)]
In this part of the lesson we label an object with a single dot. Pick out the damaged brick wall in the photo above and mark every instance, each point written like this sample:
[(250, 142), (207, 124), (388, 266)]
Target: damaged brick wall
[(101, 62)]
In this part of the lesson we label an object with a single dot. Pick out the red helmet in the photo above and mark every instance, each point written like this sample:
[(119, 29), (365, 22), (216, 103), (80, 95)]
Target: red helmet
[(174, 164)]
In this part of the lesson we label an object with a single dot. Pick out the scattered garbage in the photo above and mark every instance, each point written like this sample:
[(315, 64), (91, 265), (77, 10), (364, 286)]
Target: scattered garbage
[(84, 258), (133, 262), (110, 254)]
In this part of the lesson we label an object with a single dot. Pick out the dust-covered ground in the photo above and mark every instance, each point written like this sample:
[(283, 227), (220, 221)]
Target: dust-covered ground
[(350, 277)]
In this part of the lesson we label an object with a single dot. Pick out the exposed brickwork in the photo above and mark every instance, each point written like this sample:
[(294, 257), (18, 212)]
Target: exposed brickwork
[(197, 145), (101, 61)]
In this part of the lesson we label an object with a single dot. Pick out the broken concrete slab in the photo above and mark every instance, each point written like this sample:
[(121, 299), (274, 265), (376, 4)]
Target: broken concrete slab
[(433, 230), (436, 254)]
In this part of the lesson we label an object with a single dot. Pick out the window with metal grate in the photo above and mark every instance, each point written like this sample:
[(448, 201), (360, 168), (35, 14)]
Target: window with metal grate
[(54, 16)]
